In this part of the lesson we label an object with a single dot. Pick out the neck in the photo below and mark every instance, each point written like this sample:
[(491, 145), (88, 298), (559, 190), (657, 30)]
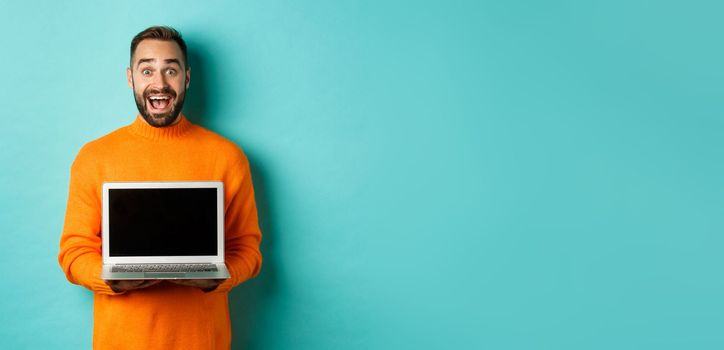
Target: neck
[(176, 121), (142, 128)]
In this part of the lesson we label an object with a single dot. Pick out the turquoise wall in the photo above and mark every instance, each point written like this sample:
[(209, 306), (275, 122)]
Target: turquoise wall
[(429, 175)]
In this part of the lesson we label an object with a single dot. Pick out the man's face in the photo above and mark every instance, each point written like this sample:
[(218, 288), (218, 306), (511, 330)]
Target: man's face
[(159, 80)]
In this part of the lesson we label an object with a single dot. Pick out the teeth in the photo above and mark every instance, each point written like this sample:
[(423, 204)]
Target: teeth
[(159, 97)]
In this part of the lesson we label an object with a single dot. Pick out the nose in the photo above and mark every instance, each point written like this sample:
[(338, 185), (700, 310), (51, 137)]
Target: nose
[(159, 81)]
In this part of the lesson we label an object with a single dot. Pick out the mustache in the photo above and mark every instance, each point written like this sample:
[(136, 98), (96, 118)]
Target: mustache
[(166, 90)]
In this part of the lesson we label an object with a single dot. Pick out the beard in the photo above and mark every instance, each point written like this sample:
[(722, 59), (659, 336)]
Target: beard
[(163, 119)]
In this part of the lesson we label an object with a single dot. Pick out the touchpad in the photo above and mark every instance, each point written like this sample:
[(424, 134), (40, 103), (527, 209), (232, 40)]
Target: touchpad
[(163, 274)]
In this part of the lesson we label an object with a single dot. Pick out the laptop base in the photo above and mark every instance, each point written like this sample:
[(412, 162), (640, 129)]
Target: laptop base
[(109, 275)]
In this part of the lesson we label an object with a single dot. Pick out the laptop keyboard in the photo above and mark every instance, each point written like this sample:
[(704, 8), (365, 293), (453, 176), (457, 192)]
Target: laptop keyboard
[(164, 268)]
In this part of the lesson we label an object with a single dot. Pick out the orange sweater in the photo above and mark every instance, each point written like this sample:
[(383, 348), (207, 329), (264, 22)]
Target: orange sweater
[(164, 316)]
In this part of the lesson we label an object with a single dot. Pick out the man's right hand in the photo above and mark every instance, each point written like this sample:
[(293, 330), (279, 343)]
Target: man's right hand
[(120, 286)]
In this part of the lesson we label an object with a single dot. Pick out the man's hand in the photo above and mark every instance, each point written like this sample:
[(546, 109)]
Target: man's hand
[(205, 285), (120, 286)]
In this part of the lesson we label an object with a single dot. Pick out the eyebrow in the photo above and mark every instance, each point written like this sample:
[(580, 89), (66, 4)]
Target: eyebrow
[(168, 60)]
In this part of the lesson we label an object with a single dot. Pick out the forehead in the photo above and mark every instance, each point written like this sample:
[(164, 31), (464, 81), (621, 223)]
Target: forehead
[(159, 50)]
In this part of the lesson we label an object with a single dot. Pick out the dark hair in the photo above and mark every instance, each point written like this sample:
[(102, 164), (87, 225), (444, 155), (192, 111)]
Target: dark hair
[(163, 33)]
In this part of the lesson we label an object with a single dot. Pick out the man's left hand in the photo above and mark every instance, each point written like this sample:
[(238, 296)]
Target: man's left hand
[(206, 285)]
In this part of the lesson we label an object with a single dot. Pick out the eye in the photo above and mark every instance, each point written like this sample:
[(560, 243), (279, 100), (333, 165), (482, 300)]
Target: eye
[(171, 71), (146, 72)]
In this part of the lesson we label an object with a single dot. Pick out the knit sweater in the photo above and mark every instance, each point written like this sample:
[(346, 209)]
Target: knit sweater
[(166, 315)]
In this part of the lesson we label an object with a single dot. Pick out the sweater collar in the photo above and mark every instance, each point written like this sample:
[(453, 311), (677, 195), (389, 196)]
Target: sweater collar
[(141, 128)]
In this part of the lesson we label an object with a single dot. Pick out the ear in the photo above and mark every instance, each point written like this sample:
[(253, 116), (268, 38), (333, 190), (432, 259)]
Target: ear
[(129, 77), (188, 77)]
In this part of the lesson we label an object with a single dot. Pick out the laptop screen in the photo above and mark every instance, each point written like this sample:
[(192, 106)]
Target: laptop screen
[(162, 222)]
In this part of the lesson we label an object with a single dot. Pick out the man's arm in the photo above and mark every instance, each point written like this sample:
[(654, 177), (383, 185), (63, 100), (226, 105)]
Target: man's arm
[(243, 236), (80, 243)]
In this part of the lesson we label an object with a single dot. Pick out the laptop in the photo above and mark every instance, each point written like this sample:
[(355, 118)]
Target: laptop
[(163, 230)]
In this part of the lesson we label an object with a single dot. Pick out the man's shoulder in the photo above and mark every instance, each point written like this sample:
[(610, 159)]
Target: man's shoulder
[(101, 143), (219, 143)]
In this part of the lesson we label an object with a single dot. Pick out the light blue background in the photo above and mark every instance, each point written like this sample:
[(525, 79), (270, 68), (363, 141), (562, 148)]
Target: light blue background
[(430, 175)]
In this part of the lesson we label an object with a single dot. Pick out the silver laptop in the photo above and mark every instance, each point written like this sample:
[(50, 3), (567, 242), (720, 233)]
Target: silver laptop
[(163, 230)]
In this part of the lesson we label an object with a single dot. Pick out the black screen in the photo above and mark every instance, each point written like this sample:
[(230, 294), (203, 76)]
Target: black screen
[(162, 222)]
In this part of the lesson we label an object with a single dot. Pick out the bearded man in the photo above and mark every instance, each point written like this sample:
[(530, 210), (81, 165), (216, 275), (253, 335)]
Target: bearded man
[(161, 144)]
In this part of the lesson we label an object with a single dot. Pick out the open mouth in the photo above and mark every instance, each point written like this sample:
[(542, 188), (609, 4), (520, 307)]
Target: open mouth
[(159, 103)]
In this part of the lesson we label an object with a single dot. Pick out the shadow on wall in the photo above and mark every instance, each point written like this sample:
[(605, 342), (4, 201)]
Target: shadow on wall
[(248, 301), (196, 104)]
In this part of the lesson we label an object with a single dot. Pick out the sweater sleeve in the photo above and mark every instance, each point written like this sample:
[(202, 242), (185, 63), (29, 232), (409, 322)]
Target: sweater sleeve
[(80, 243), (242, 233)]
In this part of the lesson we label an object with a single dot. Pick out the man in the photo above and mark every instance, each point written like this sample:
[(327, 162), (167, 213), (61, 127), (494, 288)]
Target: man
[(161, 144)]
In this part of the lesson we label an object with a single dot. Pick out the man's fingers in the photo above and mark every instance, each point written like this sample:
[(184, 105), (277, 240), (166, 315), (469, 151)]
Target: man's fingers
[(131, 283), (148, 283), (203, 284), (126, 285)]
